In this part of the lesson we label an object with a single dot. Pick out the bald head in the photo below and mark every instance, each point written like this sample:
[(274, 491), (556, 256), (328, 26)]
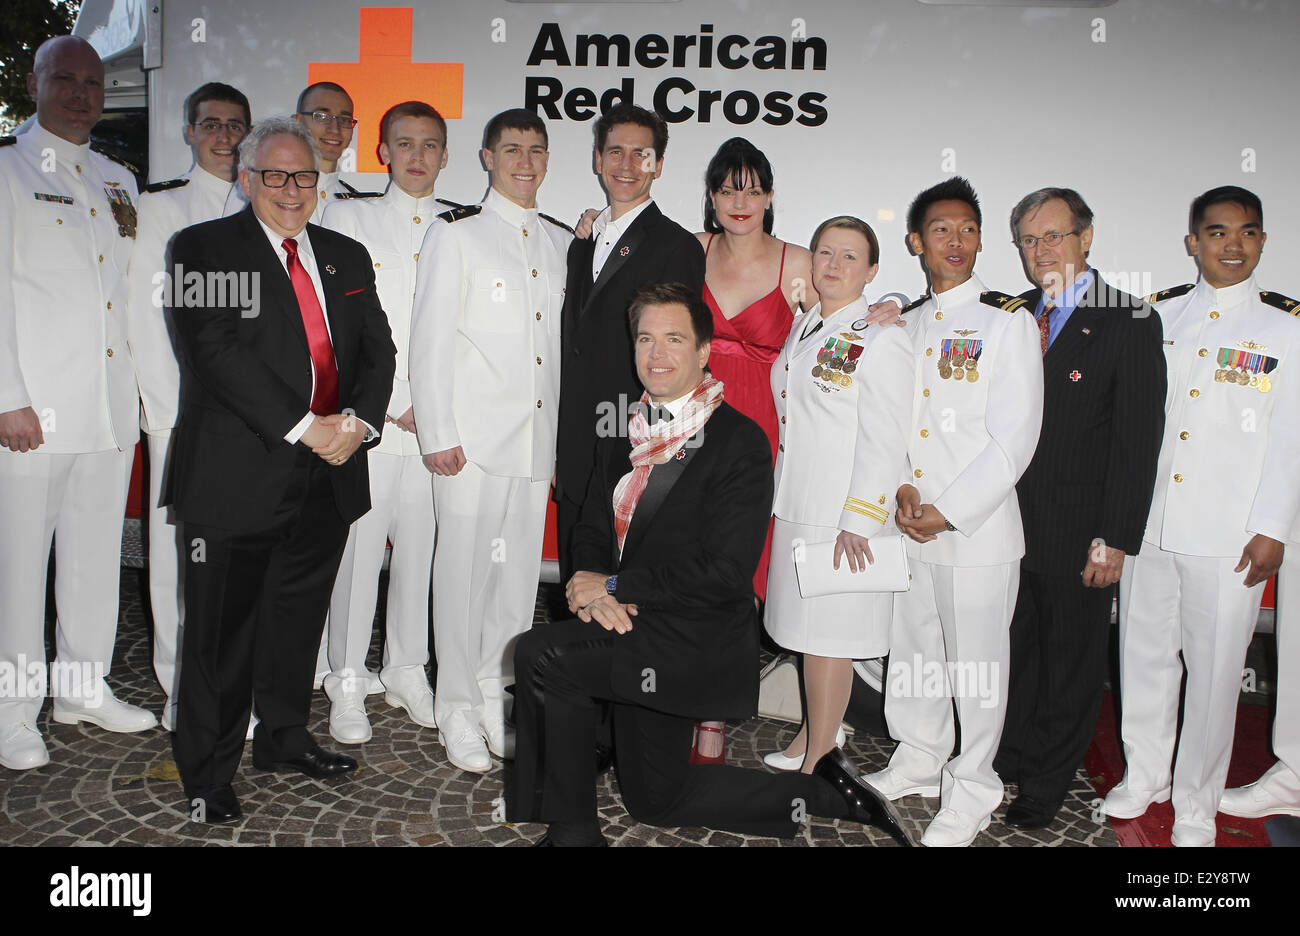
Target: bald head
[(67, 83)]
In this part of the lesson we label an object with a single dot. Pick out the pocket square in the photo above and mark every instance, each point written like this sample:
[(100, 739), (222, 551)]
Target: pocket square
[(353, 292)]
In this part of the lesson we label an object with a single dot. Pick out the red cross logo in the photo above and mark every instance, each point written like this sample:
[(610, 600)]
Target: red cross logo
[(384, 75), (624, 251), (1075, 375)]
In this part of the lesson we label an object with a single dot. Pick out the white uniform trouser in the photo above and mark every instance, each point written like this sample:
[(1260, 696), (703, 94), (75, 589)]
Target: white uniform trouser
[(955, 623), (1168, 603), (401, 511), (166, 595), (485, 572), (1283, 778), (78, 500)]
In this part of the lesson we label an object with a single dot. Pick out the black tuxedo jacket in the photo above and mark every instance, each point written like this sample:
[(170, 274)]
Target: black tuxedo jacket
[(599, 372), (246, 375), (1094, 470), (688, 566)]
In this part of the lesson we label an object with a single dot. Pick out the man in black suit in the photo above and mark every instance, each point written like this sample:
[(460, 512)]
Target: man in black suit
[(286, 372), (631, 244), (1083, 500), (669, 537)]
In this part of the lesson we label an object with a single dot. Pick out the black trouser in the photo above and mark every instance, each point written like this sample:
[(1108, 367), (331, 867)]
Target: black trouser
[(562, 674), (255, 607), (1059, 637)]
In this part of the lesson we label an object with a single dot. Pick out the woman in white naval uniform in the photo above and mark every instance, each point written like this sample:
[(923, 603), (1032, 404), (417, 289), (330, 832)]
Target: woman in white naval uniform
[(843, 394)]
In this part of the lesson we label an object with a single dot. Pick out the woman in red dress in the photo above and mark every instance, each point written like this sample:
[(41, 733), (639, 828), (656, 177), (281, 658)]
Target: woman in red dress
[(753, 283)]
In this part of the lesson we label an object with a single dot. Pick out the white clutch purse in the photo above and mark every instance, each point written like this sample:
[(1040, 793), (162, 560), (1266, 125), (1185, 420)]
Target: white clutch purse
[(817, 577)]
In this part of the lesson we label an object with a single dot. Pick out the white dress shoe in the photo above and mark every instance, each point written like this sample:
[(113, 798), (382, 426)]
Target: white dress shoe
[(413, 694), (778, 761), (348, 722), (98, 706), (1257, 800), (1123, 803), (951, 829), (1193, 833), (500, 737), (465, 747), (893, 785), (22, 747)]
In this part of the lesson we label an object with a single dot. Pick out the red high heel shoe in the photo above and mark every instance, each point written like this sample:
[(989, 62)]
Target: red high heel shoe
[(697, 757)]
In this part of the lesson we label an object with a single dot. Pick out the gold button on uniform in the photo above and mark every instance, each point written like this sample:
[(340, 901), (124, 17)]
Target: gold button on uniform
[(534, 274), (539, 360), (1203, 352), (416, 219), (110, 305), (525, 230), (539, 316), (101, 258), (93, 212), (938, 316), (1214, 315), (1178, 479), (1184, 435), (539, 404), (78, 167), (929, 352), (416, 256), (58, 220), (110, 352), (925, 433), (916, 473), (1194, 393), (376, 266), (925, 392)]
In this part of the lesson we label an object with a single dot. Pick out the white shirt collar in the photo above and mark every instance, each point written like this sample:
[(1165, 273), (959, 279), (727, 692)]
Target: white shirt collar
[(277, 241), (602, 224), (1229, 296), (38, 138), (209, 182), (514, 215), (968, 291)]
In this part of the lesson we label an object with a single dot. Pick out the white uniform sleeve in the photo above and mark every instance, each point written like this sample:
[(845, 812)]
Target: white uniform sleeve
[(13, 389), (440, 289), (1012, 418), (151, 344), (888, 376), (1277, 499)]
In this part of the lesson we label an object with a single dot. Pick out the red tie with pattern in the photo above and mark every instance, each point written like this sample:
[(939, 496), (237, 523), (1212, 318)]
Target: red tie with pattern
[(1045, 324), (325, 398)]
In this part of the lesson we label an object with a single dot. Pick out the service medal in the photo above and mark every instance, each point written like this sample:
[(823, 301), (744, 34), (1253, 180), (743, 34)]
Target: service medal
[(1265, 384), (944, 370), (836, 363), (823, 355), (846, 381), (1254, 380), (972, 375), (124, 212), (817, 370), (850, 367), (1218, 375), (1243, 378), (958, 374)]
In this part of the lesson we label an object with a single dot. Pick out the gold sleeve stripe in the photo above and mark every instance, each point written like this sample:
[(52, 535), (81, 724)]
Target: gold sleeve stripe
[(878, 515)]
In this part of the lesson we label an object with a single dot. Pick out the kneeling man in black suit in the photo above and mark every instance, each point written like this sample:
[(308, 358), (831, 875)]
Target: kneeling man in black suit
[(670, 534), (286, 370)]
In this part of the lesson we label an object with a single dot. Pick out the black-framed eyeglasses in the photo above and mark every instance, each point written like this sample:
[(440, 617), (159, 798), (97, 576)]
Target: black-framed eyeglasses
[(212, 125), (321, 117), (1050, 239), (279, 178)]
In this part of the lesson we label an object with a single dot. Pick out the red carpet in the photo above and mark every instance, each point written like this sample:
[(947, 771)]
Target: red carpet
[(1251, 756)]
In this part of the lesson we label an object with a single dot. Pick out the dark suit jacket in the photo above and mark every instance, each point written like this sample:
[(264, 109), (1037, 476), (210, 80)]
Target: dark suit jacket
[(599, 369), (1094, 470), (689, 569), (246, 378)]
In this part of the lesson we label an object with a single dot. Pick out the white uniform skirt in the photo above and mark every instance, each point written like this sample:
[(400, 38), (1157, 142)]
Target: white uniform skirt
[(852, 627)]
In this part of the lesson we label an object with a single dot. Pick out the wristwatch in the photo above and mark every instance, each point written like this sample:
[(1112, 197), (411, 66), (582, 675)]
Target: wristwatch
[(948, 524), (611, 584)]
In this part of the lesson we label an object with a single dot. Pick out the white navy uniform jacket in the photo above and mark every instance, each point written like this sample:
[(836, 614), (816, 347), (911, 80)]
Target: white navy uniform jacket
[(843, 436), (1227, 468), (485, 337), (63, 293), (194, 197), (971, 440), (392, 228), (330, 188)]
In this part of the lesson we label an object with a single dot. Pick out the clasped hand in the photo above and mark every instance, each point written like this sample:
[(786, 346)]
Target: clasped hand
[(588, 599), (922, 522), (335, 437)]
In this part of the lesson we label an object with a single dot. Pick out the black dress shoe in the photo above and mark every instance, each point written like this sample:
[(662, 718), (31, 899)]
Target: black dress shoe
[(866, 804), (216, 806), (316, 763), (1026, 812), (547, 842)]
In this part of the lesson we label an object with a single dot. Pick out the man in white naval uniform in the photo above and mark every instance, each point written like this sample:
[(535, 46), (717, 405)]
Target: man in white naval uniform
[(69, 412), (325, 109), (392, 228), (484, 363), (978, 411), (1225, 504), (217, 118)]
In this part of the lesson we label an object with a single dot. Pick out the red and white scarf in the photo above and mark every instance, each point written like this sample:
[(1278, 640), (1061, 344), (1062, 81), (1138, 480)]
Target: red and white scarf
[(649, 449)]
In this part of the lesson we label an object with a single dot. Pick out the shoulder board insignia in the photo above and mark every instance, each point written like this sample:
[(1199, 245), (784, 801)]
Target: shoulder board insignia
[(164, 186), (356, 194), (555, 222), (1002, 301), (448, 203), (114, 157), (1279, 301), (8, 141), (1173, 292), (914, 304), (458, 214)]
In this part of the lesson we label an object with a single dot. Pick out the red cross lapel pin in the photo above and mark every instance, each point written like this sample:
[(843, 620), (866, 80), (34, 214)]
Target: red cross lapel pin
[(1075, 376), (624, 251), (329, 268)]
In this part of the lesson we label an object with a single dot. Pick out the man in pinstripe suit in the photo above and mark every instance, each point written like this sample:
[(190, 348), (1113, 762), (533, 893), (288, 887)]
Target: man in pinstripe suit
[(1083, 500)]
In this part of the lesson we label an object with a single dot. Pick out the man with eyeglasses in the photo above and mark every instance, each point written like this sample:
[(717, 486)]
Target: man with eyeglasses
[(325, 109), (278, 396), (217, 119), (1225, 505), (69, 412), (413, 144), (1083, 498)]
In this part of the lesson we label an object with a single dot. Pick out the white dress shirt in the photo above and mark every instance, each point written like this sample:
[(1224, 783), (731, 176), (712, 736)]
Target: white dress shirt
[(608, 232)]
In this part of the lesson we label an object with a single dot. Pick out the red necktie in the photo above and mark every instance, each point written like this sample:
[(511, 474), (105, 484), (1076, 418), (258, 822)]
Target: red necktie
[(325, 398), (1045, 325)]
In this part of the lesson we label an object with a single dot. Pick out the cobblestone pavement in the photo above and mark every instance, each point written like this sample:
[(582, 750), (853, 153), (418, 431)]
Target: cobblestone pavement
[(122, 789)]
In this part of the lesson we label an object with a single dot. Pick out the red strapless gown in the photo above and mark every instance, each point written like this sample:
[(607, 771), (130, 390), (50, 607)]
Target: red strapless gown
[(743, 350)]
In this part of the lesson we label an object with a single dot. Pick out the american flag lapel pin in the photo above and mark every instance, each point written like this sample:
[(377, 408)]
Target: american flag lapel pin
[(1087, 331)]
